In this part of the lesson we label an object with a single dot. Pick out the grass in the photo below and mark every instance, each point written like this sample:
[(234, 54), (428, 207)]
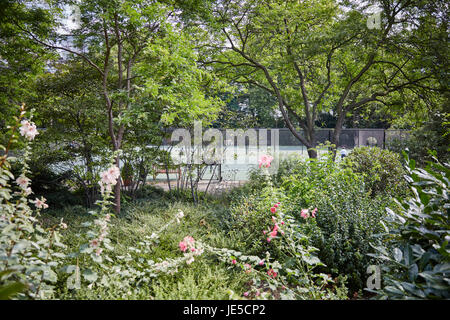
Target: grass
[(206, 278)]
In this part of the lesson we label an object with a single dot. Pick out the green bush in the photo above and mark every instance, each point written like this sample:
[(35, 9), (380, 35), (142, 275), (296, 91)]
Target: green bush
[(381, 169), (347, 221), (45, 182), (419, 265)]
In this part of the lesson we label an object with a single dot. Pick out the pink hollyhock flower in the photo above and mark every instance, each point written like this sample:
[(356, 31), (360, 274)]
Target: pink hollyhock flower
[(106, 178), (269, 239), (272, 273), (233, 261), (189, 241), (40, 203), (282, 223), (246, 293), (28, 191), (304, 213), (273, 209), (114, 172), (265, 160), (313, 213), (275, 228), (28, 130), (273, 234), (183, 246), (94, 243), (275, 205), (278, 203), (261, 262), (23, 181)]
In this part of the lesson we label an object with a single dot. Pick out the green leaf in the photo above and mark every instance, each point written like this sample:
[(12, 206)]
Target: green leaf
[(89, 275), (10, 290)]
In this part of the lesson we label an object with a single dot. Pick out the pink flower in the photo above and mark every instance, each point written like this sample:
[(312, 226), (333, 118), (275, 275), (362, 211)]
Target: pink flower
[(233, 261), (261, 262), (273, 209), (109, 177), (28, 130), (313, 213), (183, 246), (40, 203), (272, 273), (189, 241), (265, 160), (304, 213), (23, 181), (94, 243), (273, 234), (282, 223), (269, 239), (275, 205), (114, 172), (278, 203), (246, 294)]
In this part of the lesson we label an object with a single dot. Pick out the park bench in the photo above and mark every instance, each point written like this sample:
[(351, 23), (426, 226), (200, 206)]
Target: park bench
[(162, 169)]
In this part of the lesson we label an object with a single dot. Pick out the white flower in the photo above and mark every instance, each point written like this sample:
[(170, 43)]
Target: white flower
[(179, 215), (190, 260), (154, 236), (28, 191), (40, 203), (28, 130), (114, 172), (23, 181)]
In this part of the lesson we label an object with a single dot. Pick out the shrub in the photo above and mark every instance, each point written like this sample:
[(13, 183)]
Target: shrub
[(51, 185), (347, 220), (419, 265), (381, 169)]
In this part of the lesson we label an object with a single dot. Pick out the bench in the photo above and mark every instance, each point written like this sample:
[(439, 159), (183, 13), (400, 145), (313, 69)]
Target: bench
[(160, 169)]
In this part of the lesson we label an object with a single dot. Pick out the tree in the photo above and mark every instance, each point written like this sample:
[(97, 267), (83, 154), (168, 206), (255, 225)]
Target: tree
[(68, 105), (119, 40), (314, 56), (21, 59)]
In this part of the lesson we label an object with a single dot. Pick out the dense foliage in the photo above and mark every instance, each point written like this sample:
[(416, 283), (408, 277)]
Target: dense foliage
[(381, 169), (417, 263)]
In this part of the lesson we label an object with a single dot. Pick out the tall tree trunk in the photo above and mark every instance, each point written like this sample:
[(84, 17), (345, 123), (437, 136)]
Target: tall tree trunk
[(336, 134), (117, 189)]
